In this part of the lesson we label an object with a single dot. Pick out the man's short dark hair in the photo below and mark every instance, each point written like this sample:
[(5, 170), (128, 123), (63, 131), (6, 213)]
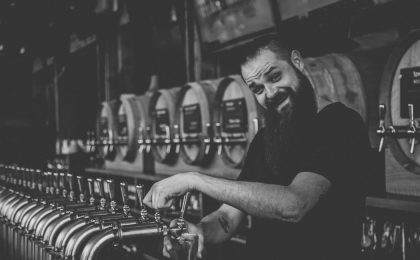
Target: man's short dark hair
[(271, 42)]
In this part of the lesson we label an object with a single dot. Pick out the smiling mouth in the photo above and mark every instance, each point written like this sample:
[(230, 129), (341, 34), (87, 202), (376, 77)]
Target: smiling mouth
[(282, 97)]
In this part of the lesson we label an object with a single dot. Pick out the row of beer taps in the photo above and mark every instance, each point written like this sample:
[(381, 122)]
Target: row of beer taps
[(109, 140), (410, 131), (56, 215)]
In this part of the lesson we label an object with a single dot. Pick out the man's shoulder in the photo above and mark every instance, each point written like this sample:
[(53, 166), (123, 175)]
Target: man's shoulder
[(337, 112)]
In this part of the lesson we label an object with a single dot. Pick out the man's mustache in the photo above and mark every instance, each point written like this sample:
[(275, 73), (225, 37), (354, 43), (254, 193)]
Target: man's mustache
[(280, 96)]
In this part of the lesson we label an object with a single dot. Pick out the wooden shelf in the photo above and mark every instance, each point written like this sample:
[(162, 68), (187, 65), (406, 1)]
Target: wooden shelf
[(395, 202), (129, 174)]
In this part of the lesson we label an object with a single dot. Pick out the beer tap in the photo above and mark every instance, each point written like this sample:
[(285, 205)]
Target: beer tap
[(62, 184), (410, 131), (100, 187), (81, 188), (92, 200), (381, 130), (110, 188), (121, 232), (176, 140), (207, 141), (110, 145), (167, 139), (148, 141), (124, 196), (56, 187), (140, 140), (411, 128), (140, 196), (70, 185), (218, 138), (184, 207)]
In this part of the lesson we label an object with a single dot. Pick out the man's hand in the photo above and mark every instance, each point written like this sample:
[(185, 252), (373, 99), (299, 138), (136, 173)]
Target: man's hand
[(173, 250), (163, 193)]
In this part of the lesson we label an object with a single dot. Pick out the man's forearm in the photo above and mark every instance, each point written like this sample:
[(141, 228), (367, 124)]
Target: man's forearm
[(257, 199)]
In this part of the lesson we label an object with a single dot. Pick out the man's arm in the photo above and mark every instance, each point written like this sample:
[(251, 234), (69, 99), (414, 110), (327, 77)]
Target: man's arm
[(288, 203)]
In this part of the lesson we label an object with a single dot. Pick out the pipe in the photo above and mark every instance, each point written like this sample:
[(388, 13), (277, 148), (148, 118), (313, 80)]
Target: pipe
[(30, 215), (72, 249), (4, 205), (99, 241), (45, 221), (33, 222), (17, 218), (77, 241), (16, 208), (68, 231), (55, 227), (11, 206)]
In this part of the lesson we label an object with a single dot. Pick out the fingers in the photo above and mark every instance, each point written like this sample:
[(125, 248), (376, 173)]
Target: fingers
[(157, 200), (148, 199), (167, 246)]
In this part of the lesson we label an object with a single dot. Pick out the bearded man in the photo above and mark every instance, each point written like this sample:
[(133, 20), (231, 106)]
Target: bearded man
[(302, 180)]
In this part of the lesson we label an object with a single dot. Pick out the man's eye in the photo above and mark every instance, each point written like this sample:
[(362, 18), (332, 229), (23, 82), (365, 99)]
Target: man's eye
[(257, 89), (275, 77)]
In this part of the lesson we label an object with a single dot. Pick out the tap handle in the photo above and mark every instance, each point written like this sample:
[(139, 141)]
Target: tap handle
[(140, 139), (110, 188), (80, 184), (81, 188), (100, 187), (70, 181), (39, 179), (90, 187), (411, 113), (62, 180), (140, 195), (185, 202), (56, 177), (382, 111), (412, 127), (31, 179), (124, 192)]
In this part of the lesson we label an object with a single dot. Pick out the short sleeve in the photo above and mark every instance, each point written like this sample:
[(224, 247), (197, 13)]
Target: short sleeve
[(340, 145)]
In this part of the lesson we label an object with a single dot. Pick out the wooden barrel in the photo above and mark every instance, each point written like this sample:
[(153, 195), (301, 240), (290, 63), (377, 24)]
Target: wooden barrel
[(194, 118), (400, 86), (162, 112), (131, 124), (352, 79), (236, 120), (336, 79), (106, 129)]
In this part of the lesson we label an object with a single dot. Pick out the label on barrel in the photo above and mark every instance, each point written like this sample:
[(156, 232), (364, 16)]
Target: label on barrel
[(410, 91), (192, 119), (162, 120), (103, 127), (122, 125), (235, 117)]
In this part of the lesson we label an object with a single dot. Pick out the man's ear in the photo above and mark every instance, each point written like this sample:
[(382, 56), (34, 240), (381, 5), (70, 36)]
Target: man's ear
[(297, 60)]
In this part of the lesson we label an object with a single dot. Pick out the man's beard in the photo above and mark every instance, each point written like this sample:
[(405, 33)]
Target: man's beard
[(287, 131)]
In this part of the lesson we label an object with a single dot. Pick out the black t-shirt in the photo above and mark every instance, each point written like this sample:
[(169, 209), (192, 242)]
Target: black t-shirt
[(337, 147)]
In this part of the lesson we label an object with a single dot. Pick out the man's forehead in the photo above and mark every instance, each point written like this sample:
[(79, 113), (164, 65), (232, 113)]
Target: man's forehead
[(263, 60)]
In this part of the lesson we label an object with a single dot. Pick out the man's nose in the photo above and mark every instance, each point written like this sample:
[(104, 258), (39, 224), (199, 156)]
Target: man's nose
[(270, 91)]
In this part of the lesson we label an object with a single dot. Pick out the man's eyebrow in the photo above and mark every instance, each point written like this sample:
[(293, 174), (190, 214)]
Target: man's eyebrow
[(268, 71), (264, 72)]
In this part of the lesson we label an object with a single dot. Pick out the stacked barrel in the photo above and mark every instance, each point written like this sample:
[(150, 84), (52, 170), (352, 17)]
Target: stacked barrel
[(203, 126), (56, 215)]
